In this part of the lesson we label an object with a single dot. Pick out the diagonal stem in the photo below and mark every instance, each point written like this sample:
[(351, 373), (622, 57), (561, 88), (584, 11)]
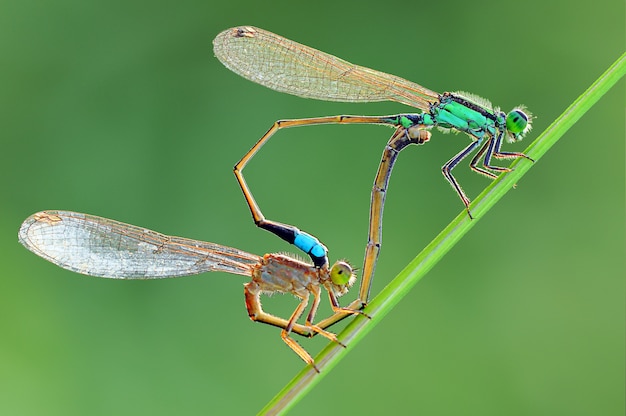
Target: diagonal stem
[(304, 381)]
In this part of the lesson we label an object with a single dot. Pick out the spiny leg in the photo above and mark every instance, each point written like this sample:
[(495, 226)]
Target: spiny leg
[(315, 290), (447, 173), (347, 311), (284, 334), (256, 313), (252, 293), (339, 313), (351, 309), (492, 149), (310, 329), (489, 147), (306, 242), (498, 154), (473, 164)]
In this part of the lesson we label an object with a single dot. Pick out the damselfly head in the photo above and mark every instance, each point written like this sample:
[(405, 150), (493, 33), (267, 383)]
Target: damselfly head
[(518, 124), (342, 275)]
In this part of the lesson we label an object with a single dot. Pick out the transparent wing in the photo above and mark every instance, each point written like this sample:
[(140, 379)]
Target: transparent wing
[(287, 66), (101, 247)]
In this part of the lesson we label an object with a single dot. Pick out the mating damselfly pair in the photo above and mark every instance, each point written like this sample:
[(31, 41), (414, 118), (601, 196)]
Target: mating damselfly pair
[(102, 247)]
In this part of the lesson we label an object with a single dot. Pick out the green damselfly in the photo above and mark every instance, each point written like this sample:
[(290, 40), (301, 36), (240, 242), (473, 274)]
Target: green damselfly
[(287, 66)]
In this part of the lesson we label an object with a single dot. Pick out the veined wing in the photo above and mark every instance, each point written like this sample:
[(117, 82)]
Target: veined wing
[(290, 67), (98, 246)]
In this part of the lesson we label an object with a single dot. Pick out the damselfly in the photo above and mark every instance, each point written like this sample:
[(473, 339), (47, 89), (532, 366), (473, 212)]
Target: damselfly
[(101, 247), (287, 66)]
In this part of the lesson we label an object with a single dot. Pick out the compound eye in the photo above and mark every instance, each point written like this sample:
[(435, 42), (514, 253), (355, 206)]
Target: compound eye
[(516, 121), (341, 273)]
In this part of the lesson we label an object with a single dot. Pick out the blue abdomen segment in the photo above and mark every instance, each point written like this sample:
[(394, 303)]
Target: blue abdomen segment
[(310, 245), (304, 241)]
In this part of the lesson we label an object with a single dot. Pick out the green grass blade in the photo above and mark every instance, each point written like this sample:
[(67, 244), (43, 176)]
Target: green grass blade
[(416, 269)]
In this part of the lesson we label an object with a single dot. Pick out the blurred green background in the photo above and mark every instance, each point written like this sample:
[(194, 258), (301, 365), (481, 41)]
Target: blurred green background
[(119, 109)]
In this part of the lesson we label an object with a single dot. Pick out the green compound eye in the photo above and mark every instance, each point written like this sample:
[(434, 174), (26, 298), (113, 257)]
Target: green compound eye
[(516, 121), (341, 273)]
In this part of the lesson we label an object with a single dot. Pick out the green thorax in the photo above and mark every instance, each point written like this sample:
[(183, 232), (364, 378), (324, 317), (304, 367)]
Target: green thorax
[(457, 112)]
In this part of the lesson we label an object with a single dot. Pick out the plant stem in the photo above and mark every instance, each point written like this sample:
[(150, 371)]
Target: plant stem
[(418, 267)]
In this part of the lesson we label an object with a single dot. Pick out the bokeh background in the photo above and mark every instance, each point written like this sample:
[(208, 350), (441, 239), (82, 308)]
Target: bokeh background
[(119, 109)]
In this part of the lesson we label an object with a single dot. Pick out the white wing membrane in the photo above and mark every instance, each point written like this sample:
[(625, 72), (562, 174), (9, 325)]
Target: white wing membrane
[(101, 247), (290, 67)]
